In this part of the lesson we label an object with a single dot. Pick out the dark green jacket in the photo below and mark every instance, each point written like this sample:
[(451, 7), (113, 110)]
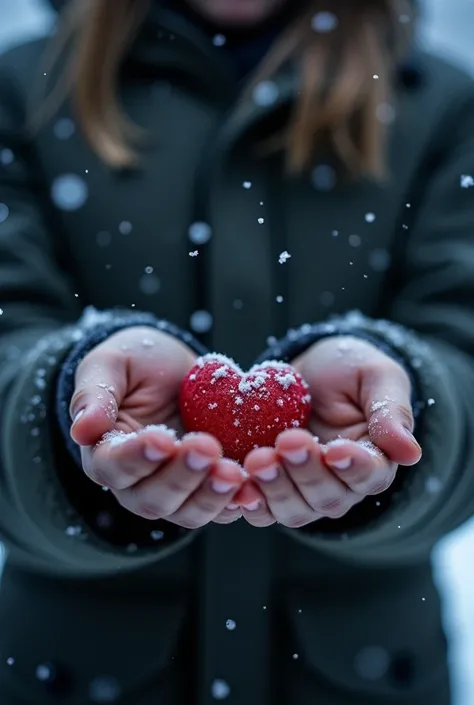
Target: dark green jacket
[(94, 605)]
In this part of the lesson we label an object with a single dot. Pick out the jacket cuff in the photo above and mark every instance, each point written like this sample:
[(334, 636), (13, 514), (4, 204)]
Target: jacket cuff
[(95, 327), (391, 339)]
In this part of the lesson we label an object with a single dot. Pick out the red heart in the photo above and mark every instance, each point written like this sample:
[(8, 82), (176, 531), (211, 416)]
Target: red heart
[(243, 410)]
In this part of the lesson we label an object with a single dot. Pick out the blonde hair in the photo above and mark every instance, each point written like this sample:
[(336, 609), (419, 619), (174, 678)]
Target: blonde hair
[(344, 75)]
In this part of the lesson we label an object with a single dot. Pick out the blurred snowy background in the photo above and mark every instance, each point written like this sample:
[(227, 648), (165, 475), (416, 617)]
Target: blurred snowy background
[(447, 28)]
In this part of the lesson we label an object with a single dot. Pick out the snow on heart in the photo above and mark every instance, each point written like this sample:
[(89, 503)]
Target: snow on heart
[(243, 410)]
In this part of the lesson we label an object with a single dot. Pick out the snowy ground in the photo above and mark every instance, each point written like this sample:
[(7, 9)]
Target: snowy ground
[(449, 28)]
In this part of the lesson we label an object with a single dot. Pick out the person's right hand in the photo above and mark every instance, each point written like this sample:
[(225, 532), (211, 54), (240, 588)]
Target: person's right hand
[(124, 405)]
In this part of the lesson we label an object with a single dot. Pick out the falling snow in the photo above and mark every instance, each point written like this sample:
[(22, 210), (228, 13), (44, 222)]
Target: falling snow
[(6, 156), (199, 233), (220, 689), (125, 227), (324, 22), (323, 177), (265, 93), (69, 192), (467, 181), (4, 212)]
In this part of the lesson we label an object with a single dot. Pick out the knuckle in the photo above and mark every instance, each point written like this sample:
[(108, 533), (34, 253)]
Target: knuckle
[(150, 510), (297, 521), (310, 481), (361, 480), (382, 486), (101, 476), (339, 514), (178, 486), (189, 523), (207, 504), (280, 496), (334, 508), (405, 413), (226, 519), (262, 522)]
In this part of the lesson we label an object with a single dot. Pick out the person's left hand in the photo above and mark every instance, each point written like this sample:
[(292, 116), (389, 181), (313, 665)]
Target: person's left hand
[(363, 421)]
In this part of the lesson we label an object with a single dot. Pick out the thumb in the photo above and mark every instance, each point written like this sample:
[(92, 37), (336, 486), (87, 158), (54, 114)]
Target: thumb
[(386, 392), (101, 385)]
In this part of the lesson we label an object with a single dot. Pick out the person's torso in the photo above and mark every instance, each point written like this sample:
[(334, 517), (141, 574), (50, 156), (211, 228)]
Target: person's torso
[(220, 241)]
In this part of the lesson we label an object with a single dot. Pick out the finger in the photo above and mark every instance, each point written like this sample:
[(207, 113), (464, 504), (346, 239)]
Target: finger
[(303, 459), (361, 466), (386, 397), (211, 498), (161, 494), (284, 501), (254, 506), (122, 459), (228, 515), (101, 384)]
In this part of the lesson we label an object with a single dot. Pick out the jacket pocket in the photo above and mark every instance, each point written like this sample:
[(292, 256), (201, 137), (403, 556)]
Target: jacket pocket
[(73, 642), (383, 642)]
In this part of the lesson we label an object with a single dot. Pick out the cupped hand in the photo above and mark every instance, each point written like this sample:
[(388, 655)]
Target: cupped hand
[(359, 433), (125, 412)]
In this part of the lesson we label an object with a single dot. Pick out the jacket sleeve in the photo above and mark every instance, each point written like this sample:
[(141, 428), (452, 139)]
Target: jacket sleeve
[(429, 328), (52, 519)]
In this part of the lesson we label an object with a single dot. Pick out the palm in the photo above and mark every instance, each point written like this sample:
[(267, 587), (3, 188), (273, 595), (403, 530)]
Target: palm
[(332, 418), (152, 379), (335, 388), (150, 401)]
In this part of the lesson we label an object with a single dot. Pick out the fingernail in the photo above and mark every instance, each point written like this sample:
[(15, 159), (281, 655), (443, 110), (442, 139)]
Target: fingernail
[(79, 415), (222, 487), (198, 461), (267, 474), (299, 456), (252, 506), (341, 464), (154, 455), (232, 507)]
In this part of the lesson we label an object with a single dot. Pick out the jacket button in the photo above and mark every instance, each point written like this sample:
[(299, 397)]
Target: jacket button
[(104, 689)]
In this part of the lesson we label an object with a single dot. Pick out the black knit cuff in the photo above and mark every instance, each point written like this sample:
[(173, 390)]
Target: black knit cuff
[(93, 328)]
